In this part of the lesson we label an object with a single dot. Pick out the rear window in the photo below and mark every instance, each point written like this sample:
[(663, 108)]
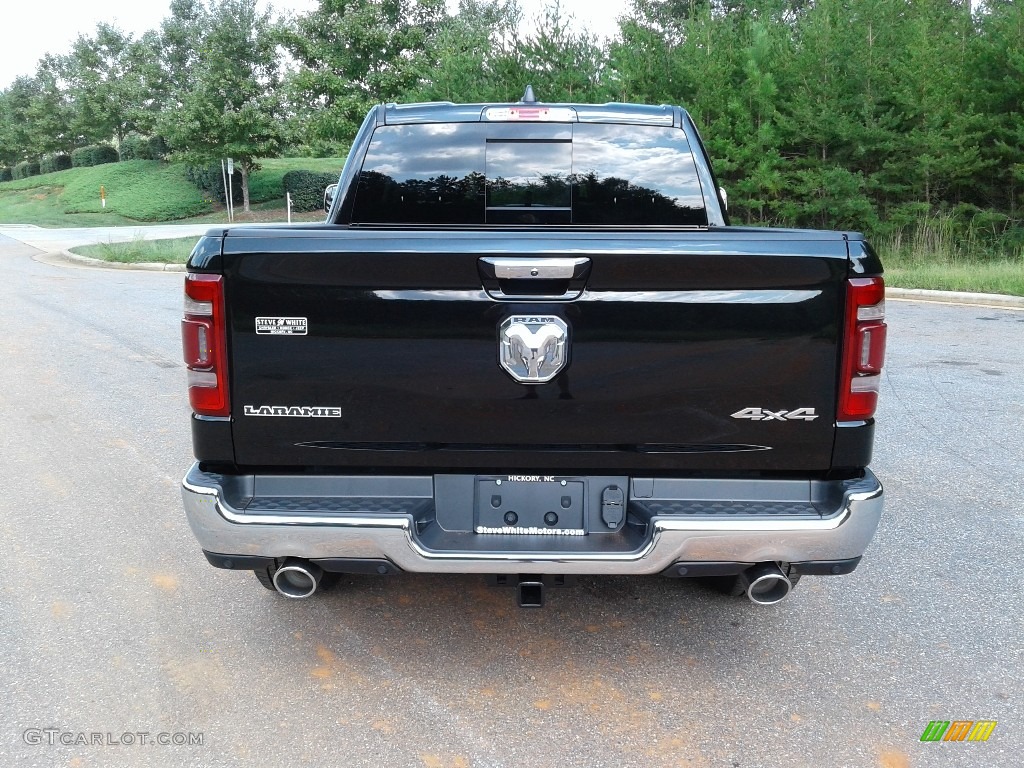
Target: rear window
[(497, 173)]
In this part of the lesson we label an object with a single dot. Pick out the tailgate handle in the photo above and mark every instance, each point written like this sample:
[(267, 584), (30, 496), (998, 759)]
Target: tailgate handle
[(533, 269), (537, 279)]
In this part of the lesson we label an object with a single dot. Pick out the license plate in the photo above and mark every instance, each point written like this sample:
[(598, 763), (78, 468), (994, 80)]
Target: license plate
[(530, 505)]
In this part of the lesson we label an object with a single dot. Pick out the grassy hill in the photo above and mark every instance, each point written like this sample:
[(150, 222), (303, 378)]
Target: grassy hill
[(137, 191)]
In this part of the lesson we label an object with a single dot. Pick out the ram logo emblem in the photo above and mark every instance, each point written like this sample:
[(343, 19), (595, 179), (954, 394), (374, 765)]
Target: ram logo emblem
[(533, 348)]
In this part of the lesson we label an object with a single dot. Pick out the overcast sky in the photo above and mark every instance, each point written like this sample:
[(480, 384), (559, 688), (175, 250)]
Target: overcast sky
[(37, 27)]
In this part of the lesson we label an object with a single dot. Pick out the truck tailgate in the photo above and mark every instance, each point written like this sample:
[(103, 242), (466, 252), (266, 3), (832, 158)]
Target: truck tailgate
[(684, 350)]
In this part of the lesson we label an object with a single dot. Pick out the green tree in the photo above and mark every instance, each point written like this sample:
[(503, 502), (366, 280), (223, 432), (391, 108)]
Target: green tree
[(181, 42), (995, 59), (939, 146), (470, 59), (351, 54), (229, 104), (830, 132), (724, 65), (146, 82), (18, 98), (50, 111), (561, 63), (96, 82), (642, 63), (9, 154)]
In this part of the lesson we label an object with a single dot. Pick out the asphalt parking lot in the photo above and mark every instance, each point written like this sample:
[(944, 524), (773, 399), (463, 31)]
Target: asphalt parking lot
[(113, 624)]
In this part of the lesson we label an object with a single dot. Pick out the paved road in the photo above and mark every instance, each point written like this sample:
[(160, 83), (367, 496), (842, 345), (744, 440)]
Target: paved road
[(112, 623)]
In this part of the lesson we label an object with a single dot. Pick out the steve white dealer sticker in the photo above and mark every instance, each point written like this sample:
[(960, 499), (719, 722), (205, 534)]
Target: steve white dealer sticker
[(281, 326)]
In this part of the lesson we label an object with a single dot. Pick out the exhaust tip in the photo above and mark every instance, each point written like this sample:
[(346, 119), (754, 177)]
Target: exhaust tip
[(766, 584), (297, 578)]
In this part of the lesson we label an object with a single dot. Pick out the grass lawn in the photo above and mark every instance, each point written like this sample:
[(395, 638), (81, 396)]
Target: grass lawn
[(1004, 276), (174, 251), (41, 206)]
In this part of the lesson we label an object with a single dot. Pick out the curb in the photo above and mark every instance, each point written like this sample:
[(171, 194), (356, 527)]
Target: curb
[(956, 297), (138, 267)]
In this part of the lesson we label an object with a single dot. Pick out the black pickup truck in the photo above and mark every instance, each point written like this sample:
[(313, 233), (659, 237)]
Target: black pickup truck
[(526, 343)]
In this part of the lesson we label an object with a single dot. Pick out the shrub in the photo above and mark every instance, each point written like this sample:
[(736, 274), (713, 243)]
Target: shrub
[(95, 154), (6, 174), (138, 147), (26, 168), (158, 147), (52, 163), (104, 153), (80, 158), (307, 188), (134, 147), (210, 179)]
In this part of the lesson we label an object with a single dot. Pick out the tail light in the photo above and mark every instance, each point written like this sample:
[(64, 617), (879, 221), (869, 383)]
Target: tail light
[(204, 344), (863, 349)]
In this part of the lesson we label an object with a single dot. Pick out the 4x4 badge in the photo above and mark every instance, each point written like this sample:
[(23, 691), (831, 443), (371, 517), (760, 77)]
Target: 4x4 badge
[(763, 414), (533, 348)]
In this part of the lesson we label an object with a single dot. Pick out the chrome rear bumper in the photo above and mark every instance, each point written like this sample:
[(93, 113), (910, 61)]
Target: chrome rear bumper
[(400, 526)]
